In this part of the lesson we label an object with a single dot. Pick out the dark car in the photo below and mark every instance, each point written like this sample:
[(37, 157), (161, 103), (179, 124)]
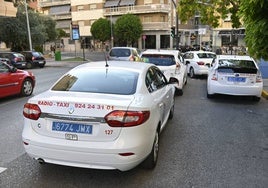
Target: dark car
[(14, 58), (14, 81), (34, 58)]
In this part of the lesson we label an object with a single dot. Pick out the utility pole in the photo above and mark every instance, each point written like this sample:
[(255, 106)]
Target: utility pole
[(177, 26), (28, 26)]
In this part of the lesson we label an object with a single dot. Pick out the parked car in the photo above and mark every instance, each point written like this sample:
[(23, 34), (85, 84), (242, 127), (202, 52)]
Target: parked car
[(198, 62), (34, 58), (171, 63), (15, 59), (124, 54), (102, 115), (234, 75), (14, 81)]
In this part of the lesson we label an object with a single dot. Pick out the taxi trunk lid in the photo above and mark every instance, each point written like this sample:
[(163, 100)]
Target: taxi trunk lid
[(78, 116)]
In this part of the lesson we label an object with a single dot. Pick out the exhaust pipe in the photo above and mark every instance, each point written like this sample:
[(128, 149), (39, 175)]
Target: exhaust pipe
[(41, 161)]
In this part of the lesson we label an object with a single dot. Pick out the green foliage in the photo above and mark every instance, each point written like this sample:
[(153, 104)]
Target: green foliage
[(60, 33), (101, 29), (210, 11), (255, 17), (14, 31), (128, 29)]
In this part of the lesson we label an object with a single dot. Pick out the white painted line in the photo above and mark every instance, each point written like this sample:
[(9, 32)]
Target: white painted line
[(2, 169)]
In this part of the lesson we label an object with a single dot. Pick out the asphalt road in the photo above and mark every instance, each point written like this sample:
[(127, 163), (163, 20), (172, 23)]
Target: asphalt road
[(221, 142)]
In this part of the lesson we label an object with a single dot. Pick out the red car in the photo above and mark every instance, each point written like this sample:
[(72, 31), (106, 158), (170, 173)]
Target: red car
[(14, 81)]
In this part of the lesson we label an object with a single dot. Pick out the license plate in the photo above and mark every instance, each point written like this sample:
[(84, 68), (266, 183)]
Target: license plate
[(236, 79), (72, 127)]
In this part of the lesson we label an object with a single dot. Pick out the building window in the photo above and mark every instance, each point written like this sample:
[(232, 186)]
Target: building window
[(146, 2), (80, 8), (147, 19), (93, 6)]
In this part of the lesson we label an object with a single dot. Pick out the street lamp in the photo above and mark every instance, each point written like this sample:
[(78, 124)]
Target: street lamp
[(177, 26), (28, 26)]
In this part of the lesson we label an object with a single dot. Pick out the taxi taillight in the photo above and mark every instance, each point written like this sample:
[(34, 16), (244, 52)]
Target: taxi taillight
[(31, 111), (200, 63), (121, 118)]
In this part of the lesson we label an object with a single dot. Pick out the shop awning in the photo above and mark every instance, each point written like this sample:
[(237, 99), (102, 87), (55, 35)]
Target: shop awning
[(60, 9), (127, 2), (111, 3)]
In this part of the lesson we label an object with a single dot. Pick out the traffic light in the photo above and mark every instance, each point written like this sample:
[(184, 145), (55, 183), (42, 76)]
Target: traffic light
[(172, 32)]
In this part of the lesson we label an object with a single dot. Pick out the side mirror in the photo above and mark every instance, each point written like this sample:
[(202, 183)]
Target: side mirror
[(13, 69)]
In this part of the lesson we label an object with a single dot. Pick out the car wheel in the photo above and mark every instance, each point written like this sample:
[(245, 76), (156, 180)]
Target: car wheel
[(27, 87), (210, 96), (192, 74), (179, 92), (29, 65), (151, 160), (256, 99), (41, 66)]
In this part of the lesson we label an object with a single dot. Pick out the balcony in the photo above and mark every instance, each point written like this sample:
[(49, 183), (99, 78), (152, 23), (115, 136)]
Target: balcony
[(7, 9), (156, 26), (62, 17), (140, 9), (50, 3)]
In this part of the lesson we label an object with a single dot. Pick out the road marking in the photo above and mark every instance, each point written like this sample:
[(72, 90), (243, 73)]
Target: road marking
[(2, 169)]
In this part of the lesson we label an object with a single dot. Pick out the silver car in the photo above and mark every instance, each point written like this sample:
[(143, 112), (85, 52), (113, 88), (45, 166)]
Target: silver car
[(124, 54)]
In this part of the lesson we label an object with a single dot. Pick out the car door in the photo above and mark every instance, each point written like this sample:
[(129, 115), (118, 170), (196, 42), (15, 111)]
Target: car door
[(161, 92), (8, 83)]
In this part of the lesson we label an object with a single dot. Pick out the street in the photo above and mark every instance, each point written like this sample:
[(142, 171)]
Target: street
[(221, 142)]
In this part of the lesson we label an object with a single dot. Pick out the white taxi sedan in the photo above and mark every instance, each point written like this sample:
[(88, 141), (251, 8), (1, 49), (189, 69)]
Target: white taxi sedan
[(101, 115), (234, 75), (170, 62), (198, 62)]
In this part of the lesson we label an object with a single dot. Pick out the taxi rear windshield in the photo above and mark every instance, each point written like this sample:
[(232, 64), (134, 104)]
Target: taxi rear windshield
[(108, 81), (237, 66), (159, 59)]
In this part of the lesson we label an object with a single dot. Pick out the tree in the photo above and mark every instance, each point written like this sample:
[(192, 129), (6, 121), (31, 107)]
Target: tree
[(16, 34), (255, 17), (128, 29), (211, 11), (101, 29)]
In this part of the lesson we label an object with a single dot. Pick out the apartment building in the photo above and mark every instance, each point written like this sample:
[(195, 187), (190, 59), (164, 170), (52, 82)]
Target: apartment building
[(157, 17)]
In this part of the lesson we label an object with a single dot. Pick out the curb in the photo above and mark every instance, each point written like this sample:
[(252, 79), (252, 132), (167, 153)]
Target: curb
[(264, 94)]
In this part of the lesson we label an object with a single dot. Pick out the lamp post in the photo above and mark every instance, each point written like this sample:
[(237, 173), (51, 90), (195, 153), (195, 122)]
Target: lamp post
[(112, 35), (28, 26), (177, 26)]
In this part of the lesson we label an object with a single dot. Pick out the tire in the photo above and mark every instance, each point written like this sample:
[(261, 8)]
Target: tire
[(41, 66), (27, 87), (191, 72), (151, 160), (210, 96), (256, 99), (29, 65), (179, 92)]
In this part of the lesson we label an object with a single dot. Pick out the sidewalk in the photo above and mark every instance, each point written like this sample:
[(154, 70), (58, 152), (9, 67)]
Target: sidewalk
[(265, 88)]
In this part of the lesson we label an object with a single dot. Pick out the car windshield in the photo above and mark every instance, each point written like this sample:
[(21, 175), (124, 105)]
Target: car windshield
[(37, 54), (206, 55), (120, 52), (159, 59), (236, 65), (109, 81)]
